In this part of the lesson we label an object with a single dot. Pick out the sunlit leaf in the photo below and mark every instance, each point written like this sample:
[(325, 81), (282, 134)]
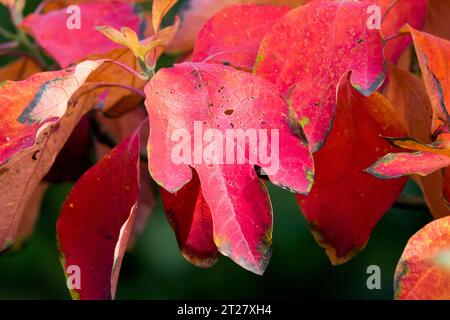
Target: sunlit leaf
[(423, 272), (308, 51), (221, 98), (233, 36)]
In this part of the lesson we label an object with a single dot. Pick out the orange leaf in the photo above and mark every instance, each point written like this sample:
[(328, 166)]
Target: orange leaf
[(423, 271)]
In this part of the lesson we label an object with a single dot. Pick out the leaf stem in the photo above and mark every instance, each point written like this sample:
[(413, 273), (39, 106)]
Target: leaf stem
[(7, 34), (127, 68), (95, 85)]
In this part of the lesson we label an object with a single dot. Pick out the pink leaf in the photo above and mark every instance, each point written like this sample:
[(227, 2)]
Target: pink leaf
[(68, 43), (183, 99)]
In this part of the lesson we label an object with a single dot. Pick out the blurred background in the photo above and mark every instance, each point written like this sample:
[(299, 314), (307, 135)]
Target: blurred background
[(154, 268)]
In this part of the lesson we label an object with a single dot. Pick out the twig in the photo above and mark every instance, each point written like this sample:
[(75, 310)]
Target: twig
[(411, 203), (96, 85), (127, 68)]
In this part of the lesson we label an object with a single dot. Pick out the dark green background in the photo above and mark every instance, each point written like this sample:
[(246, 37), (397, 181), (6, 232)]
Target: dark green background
[(154, 269)]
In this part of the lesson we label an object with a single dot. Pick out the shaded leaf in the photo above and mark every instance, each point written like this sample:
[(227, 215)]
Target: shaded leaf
[(19, 69), (225, 98), (422, 273), (233, 36), (93, 230), (75, 157), (118, 129), (30, 215), (437, 18), (345, 203), (190, 217), (298, 56), (408, 95), (159, 9)]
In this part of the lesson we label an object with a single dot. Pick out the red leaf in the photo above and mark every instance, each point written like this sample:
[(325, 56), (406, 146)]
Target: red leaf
[(308, 51), (66, 45), (233, 36), (412, 12), (97, 218), (345, 203), (423, 272), (222, 98), (190, 217)]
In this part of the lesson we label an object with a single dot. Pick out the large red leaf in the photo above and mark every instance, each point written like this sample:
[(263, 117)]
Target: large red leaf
[(308, 51), (345, 203), (221, 98), (68, 45), (401, 12), (423, 272), (97, 218), (46, 111), (190, 217), (233, 36)]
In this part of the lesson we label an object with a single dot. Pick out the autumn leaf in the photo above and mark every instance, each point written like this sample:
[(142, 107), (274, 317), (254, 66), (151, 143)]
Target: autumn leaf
[(396, 15), (159, 9), (74, 159), (298, 56), (68, 44), (37, 118), (220, 98), (345, 203), (437, 18), (118, 129), (19, 69), (426, 159), (195, 13), (97, 219), (433, 54), (233, 36), (29, 216), (423, 272), (190, 217), (408, 95), (114, 101)]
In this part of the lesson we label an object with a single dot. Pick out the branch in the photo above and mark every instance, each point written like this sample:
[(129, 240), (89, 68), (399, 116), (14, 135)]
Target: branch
[(411, 203)]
